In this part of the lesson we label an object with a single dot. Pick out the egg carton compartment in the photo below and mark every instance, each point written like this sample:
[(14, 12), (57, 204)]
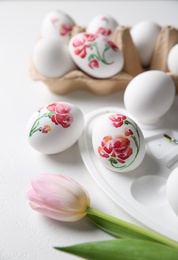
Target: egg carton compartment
[(77, 79)]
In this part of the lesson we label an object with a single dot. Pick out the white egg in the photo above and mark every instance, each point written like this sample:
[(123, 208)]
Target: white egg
[(118, 142), (51, 57), (172, 190), (57, 23), (149, 96), (172, 60), (144, 35), (55, 127), (102, 24), (96, 55)]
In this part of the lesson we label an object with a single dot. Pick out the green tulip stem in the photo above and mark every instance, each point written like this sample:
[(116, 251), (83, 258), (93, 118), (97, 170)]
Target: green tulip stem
[(123, 229)]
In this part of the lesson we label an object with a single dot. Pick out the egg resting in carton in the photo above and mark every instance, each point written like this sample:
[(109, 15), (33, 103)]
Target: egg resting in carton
[(77, 79)]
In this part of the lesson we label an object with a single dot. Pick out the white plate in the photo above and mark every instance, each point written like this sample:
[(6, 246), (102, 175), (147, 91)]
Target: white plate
[(141, 192)]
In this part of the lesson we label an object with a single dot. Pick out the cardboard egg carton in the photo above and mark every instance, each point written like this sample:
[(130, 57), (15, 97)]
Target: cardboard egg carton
[(78, 79)]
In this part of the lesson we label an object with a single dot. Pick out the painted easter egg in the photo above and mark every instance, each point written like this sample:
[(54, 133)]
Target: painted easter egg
[(57, 23), (55, 127), (102, 24), (118, 142), (96, 55)]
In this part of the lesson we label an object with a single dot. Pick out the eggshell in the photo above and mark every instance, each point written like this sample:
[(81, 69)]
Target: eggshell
[(57, 23), (55, 127), (118, 142), (96, 55), (172, 60), (51, 57), (149, 96), (102, 24), (144, 35), (172, 190)]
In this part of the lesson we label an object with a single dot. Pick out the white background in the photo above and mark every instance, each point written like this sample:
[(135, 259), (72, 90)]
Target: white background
[(25, 234)]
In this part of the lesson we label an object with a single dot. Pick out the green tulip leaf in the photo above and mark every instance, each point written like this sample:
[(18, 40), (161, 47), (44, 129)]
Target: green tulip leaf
[(117, 230), (122, 229), (122, 249)]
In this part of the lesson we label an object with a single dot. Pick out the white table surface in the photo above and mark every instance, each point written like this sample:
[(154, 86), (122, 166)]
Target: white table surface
[(25, 234)]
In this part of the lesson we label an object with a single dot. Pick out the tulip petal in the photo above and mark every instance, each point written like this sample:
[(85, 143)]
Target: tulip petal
[(58, 197), (57, 214), (32, 196), (61, 192)]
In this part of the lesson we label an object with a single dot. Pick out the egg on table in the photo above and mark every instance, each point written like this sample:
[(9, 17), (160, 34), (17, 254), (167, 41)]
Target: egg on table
[(51, 57), (96, 55), (149, 96), (102, 24), (172, 60), (57, 23), (118, 142), (172, 190), (144, 35), (55, 127)]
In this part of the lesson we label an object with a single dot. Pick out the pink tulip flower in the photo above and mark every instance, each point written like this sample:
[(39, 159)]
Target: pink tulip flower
[(58, 197), (61, 198)]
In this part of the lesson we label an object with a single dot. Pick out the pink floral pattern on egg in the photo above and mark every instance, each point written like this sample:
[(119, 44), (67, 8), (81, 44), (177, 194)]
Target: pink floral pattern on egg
[(57, 23), (59, 114), (102, 24), (102, 29), (88, 41), (64, 29), (96, 55), (118, 149)]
